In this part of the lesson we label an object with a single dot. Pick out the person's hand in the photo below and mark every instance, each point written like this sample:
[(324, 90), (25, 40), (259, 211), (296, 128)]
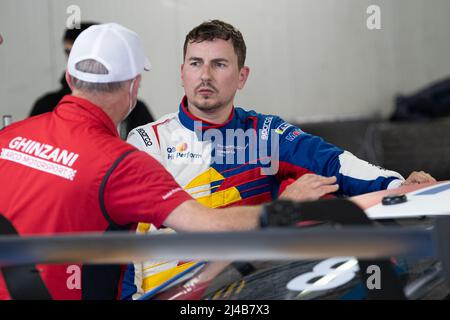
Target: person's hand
[(309, 187), (418, 177)]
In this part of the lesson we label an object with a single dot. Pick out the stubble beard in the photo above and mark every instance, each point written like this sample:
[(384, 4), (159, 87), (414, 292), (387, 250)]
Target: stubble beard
[(207, 106)]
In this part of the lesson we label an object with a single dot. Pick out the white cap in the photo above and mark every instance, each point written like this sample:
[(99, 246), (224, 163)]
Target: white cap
[(119, 49)]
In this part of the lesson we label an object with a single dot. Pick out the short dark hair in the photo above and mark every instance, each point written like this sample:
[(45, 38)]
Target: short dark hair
[(72, 34), (216, 29)]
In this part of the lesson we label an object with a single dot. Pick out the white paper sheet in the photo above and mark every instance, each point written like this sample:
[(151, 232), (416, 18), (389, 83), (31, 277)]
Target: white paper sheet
[(430, 201)]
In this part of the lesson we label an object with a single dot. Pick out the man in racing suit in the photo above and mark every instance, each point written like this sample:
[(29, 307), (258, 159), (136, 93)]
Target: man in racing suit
[(227, 156)]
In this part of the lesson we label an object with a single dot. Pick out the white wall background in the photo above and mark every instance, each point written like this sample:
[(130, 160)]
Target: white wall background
[(307, 57)]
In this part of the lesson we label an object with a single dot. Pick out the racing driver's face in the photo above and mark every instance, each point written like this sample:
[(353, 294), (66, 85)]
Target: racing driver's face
[(211, 76)]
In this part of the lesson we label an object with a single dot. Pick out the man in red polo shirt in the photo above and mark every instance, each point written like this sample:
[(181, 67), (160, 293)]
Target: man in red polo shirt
[(68, 171)]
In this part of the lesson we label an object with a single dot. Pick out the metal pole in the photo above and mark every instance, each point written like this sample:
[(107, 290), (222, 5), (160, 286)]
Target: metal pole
[(7, 120)]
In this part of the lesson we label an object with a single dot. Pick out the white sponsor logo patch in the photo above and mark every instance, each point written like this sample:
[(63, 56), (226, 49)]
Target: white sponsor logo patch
[(283, 127), (222, 150), (181, 152), (41, 157), (294, 134), (265, 128), (38, 164), (170, 193)]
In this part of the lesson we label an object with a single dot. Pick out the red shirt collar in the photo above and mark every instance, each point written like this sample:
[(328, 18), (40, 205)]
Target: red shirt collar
[(78, 108), (206, 124)]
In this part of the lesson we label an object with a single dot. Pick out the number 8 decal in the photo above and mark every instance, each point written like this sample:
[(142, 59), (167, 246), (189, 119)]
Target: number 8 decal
[(327, 276)]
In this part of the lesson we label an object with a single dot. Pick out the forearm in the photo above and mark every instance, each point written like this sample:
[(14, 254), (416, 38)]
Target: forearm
[(194, 217), (235, 218)]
